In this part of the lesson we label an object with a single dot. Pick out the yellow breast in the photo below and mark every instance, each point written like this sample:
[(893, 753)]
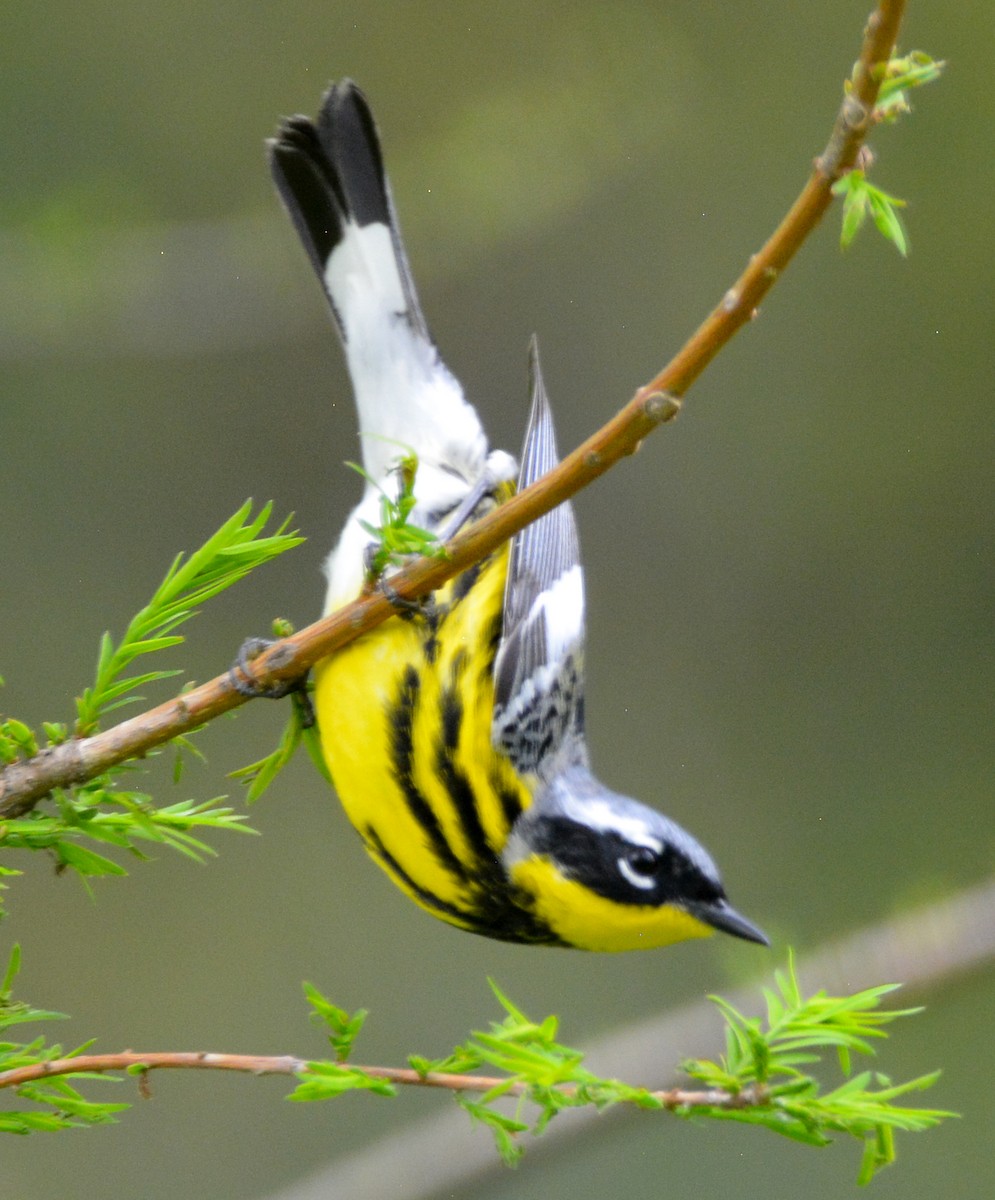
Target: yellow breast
[(404, 715)]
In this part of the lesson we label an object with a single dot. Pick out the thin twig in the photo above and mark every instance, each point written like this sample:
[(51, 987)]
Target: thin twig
[(129, 1060), (285, 1064), (23, 784), (923, 947), (441, 1153)]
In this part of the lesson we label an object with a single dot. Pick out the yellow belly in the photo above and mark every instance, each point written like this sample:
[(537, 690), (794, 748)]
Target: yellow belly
[(404, 715)]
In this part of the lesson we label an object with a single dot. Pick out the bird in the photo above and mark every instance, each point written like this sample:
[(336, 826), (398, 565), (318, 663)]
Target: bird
[(454, 732)]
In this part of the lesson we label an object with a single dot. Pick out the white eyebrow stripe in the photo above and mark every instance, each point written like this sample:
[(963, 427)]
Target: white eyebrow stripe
[(600, 814)]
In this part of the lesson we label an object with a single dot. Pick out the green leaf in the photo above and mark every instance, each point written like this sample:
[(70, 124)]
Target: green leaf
[(260, 774), (886, 218), (395, 539), (900, 76), (344, 1027), (861, 198), (86, 862), (11, 973), (237, 548), (505, 1129), (328, 1081), (21, 735)]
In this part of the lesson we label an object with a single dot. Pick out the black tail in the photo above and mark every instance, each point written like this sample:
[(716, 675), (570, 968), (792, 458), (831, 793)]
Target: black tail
[(330, 174)]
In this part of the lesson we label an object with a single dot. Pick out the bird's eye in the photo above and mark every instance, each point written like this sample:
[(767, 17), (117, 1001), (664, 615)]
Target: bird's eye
[(639, 866), (643, 860)]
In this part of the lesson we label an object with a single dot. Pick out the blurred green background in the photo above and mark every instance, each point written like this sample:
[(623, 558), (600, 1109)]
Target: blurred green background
[(790, 590)]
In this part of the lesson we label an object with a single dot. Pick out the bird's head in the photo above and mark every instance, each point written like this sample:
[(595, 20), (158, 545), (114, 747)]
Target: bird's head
[(607, 873)]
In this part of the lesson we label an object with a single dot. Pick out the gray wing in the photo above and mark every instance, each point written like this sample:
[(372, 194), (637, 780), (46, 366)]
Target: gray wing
[(538, 672)]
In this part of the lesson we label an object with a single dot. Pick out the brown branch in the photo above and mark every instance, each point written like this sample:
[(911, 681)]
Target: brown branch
[(23, 784), (924, 947), (128, 1060), (927, 947), (285, 1064)]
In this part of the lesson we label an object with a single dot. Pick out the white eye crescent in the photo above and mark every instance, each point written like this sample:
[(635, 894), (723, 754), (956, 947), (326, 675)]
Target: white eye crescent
[(639, 866)]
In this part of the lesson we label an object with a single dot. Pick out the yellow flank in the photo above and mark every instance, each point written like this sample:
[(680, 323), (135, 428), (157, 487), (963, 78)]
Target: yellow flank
[(588, 921), (404, 715)]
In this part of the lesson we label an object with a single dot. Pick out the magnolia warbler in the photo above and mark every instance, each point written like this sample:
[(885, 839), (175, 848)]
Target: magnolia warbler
[(455, 737)]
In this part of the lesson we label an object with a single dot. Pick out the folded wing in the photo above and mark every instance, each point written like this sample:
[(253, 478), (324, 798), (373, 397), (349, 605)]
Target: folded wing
[(538, 672)]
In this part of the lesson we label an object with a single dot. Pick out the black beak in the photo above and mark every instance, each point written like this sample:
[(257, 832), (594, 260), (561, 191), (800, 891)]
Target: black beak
[(722, 916)]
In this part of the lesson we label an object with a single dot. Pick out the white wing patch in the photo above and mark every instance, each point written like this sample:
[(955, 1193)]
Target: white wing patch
[(561, 609)]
